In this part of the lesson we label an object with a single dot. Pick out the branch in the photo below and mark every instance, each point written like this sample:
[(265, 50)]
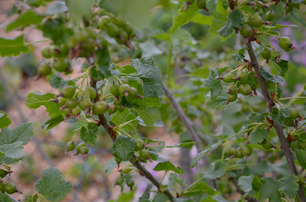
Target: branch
[(142, 169), (278, 128), (188, 125), (15, 200)]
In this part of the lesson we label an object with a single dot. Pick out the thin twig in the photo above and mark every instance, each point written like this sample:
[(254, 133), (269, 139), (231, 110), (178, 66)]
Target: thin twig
[(188, 125), (142, 169), (279, 130), (15, 200)]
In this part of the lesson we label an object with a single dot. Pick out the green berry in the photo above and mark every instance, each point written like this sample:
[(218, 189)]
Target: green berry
[(84, 102), (91, 33), (129, 29), (267, 144), (232, 98), (294, 114), (79, 147), (100, 107), (270, 15), (139, 144), (10, 188), (302, 145), (295, 145), (228, 78), (72, 42), (71, 103), (246, 30), (61, 101), (285, 43), (123, 89), (66, 112), (243, 77), (238, 153), (288, 122), (275, 55), (45, 51), (118, 181), (124, 81), (2, 186), (112, 30), (70, 146), (126, 170), (44, 69), (118, 21), (266, 53), (59, 65), (245, 89), (232, 89), (3, 173), (255, 21), (114, 89), (247, 149), (91, 92), (76, 111), (84, 150), (68, 91), (201, 4), (132, 94), (144, 154), (131, 184)]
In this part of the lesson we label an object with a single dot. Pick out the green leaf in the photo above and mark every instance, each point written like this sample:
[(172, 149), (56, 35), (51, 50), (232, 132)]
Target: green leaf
[(220, 103), (5, 198), (51, 123), (149, 115), (219, 198), (122, 117), (57, 81), (256, 184), (89, 133), (281, 66), (236, 19), (56, 7), (209, 148), (213, 84), (110, 166), (245, 183), (9, 47), (290, 185), (150, 75), (79, 9), (270, 190), (160, 197), (168, 166), (173, 178), (215, 170), (200, 188), (149, 49), (56, 30), (27, 18), (277, 116), (123, 148), (202, 19), (128, 69), (21, 133), (285, 112), (226, 30), (218, 22), (258, 135), (301, 157), (5, 121), (52, 186), (33, 199), (184, 16), (240, 56), (104, 61), (256, 118), (36, 99), (146, 194), (268, 77), (13, 150), (148, 102)]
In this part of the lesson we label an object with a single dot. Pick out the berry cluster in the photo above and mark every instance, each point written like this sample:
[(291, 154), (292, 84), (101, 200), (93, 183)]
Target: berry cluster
[(9, 188)]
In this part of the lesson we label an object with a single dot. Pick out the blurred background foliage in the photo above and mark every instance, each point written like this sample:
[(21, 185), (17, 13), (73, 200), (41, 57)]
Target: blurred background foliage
[(193, 52)]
